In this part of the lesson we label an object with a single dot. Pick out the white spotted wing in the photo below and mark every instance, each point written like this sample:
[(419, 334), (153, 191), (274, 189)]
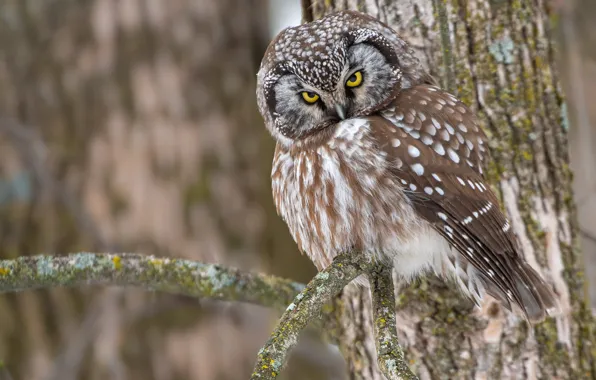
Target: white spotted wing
[(437, 150)]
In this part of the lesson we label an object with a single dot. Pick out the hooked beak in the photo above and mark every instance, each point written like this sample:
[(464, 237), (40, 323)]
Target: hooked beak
[(341, 111)]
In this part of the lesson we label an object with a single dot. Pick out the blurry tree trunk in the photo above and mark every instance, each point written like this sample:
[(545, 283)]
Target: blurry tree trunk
[(577, 37), (499, 58), (132, 125)]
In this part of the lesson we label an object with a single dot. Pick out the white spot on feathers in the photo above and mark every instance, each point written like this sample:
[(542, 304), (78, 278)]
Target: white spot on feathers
[(418, 169), (413, 151), (453, 155)]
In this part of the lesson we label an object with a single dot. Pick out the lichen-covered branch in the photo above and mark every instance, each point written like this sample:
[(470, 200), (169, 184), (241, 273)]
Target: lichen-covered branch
[(184, 277), (390, 355), (307, 306)]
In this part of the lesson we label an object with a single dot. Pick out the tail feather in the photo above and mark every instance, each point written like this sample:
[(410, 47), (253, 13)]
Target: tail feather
[(537, 300)]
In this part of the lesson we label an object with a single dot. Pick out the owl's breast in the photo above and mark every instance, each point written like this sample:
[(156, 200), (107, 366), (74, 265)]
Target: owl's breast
[(339, 196)]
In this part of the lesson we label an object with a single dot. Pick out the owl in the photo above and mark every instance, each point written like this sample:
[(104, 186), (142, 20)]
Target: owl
[(372, 156)]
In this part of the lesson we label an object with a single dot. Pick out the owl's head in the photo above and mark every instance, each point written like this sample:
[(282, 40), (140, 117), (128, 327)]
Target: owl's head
[(344, 65)]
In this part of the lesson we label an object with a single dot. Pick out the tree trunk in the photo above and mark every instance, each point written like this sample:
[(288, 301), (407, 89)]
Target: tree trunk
[(132, 125), (577, 42), (499, 58)]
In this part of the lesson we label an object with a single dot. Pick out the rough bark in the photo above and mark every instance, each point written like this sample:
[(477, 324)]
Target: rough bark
[(132, 125), (499, 58)]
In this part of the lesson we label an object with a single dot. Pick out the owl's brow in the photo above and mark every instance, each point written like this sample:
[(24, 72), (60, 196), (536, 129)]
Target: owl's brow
[(354, 69)]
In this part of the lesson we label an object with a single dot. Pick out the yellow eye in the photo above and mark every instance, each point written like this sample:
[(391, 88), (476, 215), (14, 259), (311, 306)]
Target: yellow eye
[(310, 97), (354, 80)]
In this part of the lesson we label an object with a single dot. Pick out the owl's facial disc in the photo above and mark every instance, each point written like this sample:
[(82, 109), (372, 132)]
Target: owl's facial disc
[(370, 81), (364, 80)]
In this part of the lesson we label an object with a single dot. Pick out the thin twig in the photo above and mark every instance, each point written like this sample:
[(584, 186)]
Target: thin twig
[(306, 307), (184, 277), (390, 355)]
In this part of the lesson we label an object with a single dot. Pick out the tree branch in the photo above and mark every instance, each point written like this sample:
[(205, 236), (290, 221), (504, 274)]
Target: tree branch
[(390, 355), (306, 307), (169, 275), (200, 280)]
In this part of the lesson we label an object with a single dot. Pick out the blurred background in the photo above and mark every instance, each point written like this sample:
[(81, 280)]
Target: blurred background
[(131, 125)]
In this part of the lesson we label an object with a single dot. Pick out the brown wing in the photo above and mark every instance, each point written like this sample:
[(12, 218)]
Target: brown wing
[(437, 150)]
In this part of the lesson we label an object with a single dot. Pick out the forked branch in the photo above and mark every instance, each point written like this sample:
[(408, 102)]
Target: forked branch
[(307, 306), (200, 280)]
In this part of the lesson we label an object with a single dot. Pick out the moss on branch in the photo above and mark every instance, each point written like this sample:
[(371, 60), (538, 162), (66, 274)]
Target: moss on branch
[(184, 277), (195, 279), (307, 307), (390, 355)]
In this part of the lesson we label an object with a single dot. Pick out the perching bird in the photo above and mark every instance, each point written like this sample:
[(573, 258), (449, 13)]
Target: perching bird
[(372, 156)]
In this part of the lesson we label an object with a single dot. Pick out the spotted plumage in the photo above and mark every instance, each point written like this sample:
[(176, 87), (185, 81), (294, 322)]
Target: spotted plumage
[(371, 155)]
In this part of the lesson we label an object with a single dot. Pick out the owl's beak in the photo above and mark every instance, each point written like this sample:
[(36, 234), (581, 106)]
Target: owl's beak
[(341, 111)]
